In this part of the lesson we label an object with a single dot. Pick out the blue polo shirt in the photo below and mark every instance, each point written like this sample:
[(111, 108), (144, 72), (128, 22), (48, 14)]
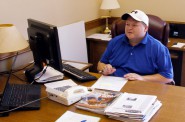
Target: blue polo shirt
[(148, 57)]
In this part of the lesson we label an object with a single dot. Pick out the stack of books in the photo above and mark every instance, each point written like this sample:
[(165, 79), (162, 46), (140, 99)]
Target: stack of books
[(133, 107), (97, 101)]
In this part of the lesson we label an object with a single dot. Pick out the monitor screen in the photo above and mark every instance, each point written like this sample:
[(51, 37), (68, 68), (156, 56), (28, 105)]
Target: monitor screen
[(44, 43)]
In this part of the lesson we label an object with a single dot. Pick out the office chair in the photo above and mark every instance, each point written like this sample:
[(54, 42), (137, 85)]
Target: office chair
[(158, 28)]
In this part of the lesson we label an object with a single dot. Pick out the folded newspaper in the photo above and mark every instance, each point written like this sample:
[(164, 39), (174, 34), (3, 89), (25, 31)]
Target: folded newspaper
[(133, 107)]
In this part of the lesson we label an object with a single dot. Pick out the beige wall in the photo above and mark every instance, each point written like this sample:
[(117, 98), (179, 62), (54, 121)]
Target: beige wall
[(62, 12), (56, 12), (169, 10)]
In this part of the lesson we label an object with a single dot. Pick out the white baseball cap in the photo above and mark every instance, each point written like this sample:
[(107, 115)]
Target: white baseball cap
[(137, 15)]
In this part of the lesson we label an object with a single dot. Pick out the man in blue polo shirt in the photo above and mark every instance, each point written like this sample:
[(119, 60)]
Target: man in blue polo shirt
[(136, 55)]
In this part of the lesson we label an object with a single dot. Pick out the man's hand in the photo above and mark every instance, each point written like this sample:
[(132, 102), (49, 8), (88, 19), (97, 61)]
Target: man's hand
[(133, 76), (108, 69)]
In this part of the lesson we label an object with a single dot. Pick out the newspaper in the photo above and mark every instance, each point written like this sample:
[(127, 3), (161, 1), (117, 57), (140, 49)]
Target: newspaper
[(133, 107)]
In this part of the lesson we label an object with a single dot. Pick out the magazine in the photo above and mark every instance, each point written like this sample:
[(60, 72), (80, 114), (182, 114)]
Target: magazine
[(97, 100)]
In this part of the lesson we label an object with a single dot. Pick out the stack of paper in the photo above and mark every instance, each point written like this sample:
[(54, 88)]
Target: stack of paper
[(97, 101), (105, 37), (179, 45), (48, 74), (133, 107)]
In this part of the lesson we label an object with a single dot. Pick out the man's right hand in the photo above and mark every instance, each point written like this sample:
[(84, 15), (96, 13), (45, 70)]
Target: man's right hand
[(108, 69)]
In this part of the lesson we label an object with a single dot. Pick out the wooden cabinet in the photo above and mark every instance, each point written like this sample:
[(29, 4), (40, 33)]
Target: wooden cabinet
[(95, 49), (178, 61)]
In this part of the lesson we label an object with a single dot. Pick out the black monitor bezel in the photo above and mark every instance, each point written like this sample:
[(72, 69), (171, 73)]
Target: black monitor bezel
[(35, 27)]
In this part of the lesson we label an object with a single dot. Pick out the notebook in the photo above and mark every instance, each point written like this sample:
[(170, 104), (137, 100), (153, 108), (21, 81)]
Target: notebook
[(16, 95)]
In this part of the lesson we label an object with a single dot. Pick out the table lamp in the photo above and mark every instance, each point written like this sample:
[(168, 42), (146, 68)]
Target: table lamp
[(108, 5), (11, 40)]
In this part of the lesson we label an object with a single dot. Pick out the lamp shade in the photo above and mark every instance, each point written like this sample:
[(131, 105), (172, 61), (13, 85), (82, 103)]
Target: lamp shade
[(109, 4), (11, 39)]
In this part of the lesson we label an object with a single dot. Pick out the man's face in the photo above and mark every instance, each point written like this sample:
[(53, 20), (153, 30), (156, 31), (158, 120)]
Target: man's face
[(135, 30)]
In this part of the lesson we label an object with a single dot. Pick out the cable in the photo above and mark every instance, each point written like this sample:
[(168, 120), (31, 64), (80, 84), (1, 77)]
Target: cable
[(43, 72), (18, 77), (2, 112)]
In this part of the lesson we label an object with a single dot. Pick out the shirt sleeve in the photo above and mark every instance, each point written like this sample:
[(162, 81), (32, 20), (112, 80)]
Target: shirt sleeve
[(164, 63)]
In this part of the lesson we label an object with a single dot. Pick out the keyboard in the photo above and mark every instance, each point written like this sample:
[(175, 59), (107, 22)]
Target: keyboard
[(77, 73), (16, 95)]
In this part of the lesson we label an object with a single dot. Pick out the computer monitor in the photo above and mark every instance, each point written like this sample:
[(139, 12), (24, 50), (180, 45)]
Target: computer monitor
[(44, 44)]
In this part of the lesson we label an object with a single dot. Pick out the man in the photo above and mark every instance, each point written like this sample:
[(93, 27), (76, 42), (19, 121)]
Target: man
[(136, 55)]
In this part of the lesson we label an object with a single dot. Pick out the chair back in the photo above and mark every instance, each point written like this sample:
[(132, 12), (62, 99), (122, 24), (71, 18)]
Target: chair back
[(158, 28)]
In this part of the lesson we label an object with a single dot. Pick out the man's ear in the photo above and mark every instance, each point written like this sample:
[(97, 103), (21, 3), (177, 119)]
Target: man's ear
[(146, 28)]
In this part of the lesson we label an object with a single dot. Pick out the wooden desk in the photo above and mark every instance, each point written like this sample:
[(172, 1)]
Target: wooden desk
[(178, 60), (172, 98)]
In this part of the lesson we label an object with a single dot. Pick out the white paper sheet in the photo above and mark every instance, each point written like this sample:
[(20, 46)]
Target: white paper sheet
[(179, 45), (69, 116), (110, 83)]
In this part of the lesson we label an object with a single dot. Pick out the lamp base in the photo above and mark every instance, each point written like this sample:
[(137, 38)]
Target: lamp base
[(107, 30)]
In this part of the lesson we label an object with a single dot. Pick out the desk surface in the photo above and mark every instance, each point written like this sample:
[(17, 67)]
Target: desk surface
[(176, 40), (172, 110)]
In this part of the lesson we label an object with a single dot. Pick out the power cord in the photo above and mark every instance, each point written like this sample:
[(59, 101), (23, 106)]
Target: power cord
[(2, 112), (43, 72)]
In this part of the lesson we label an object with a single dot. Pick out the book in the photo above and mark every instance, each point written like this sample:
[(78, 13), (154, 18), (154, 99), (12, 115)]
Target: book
[(70, 116), (97, 100)]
